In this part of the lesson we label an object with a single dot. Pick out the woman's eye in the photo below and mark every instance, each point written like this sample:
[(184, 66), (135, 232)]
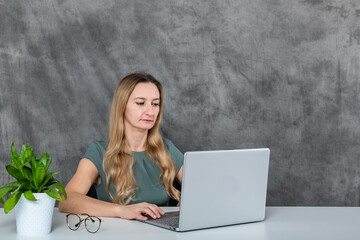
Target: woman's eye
[(155, 104), (140, 103)]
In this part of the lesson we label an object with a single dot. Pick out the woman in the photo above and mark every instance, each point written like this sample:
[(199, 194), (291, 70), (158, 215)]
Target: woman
[(134, 170)]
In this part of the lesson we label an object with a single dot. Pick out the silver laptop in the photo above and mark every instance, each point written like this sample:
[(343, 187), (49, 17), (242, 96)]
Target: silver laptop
[(220, 188)]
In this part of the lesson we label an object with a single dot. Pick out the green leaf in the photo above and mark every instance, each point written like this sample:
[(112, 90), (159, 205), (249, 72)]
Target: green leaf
[(15, 162), (2, 201), (48, 164), (27, 164), (30, 196), (29, 153), (44, 159), (39, 175), (50, 182), (13, 151), (18, 189), (11, 184), (27, 173), (33, 158), (8, 188), (46, 179), (11, 202), (22, 154), (14, 172), (61, 189), (51, 192), (26, 185), (34, 166)]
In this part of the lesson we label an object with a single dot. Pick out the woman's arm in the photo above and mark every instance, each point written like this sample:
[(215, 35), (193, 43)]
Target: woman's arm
[(77, 201)]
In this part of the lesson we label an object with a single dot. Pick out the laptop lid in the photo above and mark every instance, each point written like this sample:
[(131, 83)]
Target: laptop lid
[(223, 188)]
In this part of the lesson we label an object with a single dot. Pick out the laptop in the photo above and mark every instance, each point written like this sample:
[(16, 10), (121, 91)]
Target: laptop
[(220, 188)]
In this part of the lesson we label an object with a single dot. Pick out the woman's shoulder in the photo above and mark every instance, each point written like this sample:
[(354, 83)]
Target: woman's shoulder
[(96, 149), (170, 146), (99, 144), (168, 143)]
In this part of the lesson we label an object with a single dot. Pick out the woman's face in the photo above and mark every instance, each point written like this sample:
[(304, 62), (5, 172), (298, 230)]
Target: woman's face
[(142, 107)]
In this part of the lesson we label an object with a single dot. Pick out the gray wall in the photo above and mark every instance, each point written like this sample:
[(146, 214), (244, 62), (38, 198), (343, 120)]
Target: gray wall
[(237, 74)]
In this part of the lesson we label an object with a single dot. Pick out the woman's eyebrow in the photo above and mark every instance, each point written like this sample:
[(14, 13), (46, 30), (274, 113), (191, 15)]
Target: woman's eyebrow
[(142, 98)]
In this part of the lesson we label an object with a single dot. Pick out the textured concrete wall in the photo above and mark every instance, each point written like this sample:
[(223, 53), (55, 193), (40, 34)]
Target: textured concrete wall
[(237, 74)]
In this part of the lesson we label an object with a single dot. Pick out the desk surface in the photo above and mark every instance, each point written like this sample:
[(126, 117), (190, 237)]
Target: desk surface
[(281, 223)]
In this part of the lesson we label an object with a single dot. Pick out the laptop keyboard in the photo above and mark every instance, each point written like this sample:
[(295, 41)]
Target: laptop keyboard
[(170, 219)]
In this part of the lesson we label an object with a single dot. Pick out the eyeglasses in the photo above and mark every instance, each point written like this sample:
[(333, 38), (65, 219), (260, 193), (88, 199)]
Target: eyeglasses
[(92, 224)]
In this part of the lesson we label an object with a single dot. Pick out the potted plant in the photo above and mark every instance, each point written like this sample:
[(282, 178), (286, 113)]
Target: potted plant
[(33, 193)]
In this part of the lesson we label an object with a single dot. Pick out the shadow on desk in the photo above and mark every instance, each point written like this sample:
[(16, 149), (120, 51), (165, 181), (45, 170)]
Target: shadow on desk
[(9, 223)]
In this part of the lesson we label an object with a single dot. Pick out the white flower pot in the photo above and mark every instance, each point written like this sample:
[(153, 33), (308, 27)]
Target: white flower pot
[(34, 218)]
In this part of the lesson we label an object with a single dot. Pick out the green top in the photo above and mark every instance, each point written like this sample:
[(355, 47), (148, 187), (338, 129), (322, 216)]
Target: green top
[(146, 173)]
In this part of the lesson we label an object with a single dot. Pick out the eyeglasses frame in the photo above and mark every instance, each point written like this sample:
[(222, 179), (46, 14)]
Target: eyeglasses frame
[(82, 220)]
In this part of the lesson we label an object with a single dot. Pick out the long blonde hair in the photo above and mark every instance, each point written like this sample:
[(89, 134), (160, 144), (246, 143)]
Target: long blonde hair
[(118, 160)]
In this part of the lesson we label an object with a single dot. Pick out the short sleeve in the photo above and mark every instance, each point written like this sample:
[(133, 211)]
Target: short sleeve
[(175, 154), (95, 154)]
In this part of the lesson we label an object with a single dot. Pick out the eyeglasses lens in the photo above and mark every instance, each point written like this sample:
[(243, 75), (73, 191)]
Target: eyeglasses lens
[(73, 221), (92, 224)]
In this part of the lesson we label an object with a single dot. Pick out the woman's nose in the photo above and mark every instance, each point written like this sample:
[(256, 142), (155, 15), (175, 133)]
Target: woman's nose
[(149, 109)]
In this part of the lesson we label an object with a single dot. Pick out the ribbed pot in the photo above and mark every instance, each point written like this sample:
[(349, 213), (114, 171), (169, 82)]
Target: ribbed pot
[(34, 218)]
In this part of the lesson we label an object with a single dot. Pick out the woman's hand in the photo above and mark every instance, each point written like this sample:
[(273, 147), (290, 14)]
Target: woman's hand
[(137, 211)]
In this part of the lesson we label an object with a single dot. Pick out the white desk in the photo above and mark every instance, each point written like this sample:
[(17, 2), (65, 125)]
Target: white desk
[(290, 223)]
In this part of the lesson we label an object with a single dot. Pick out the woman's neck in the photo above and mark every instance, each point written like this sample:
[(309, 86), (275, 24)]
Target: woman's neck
[(137, 140)]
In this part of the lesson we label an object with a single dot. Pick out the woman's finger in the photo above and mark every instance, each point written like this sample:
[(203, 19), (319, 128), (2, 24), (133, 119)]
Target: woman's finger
[(141, 217), (156, 210), (147, 210)]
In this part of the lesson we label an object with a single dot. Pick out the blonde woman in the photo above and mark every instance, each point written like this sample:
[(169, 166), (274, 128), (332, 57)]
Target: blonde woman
[(133, 171)]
